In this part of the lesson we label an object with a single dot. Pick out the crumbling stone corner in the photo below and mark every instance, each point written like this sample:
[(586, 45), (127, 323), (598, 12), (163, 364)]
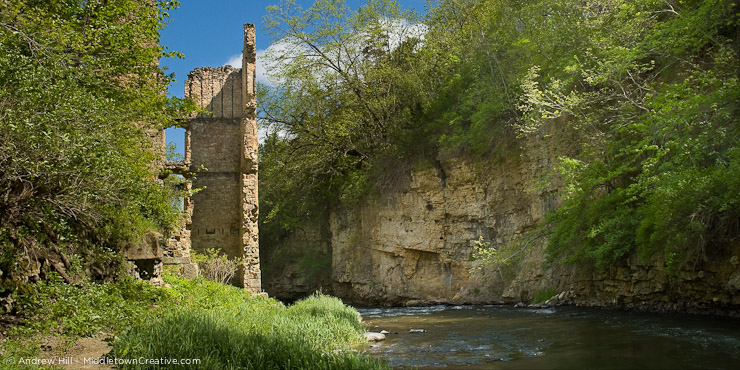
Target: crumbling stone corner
[(249, 201)]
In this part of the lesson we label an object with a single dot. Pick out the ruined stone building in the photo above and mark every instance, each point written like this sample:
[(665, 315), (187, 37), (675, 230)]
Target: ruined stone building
[(220, 159)]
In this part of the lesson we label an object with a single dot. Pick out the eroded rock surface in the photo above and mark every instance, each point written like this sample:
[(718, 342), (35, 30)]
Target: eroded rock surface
[(415, 245)]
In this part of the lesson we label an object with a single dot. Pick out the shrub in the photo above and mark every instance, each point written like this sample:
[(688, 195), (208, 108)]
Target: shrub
[(216, 266), (53, 305), (543, 295), (315, 266)]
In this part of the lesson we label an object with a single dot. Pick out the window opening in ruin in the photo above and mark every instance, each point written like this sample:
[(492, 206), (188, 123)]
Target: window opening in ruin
[(175, 144), (177, 184)]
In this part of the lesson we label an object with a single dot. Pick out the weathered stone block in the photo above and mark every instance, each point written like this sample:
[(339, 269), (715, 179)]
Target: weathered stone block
[(149, 248)]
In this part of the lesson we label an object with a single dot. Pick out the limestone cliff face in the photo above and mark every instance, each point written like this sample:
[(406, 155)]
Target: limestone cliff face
[(416, 244)]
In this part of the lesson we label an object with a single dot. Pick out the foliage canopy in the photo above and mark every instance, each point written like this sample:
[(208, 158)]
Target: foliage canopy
[(650, 86), (80, 100)]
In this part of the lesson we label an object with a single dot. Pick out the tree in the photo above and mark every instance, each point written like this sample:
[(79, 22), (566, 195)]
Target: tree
[(81, 94), (649, 88), (345, 84), (656, 92)]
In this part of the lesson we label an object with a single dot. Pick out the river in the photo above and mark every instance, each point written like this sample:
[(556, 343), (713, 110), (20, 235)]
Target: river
[(503, 337)]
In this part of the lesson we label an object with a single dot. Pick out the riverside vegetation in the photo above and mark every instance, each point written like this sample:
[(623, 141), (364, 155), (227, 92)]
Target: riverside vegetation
[(80, 99), (649, 89), (81, 89), (221, 325)]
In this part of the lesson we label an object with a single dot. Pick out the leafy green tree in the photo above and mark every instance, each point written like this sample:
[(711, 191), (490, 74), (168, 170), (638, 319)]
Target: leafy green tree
[(345, 87), (648, 88), (656, 94), (81, 95)]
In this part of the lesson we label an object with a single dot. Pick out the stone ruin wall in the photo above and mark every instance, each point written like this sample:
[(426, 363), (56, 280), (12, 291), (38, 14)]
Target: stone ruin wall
[(220, 159)]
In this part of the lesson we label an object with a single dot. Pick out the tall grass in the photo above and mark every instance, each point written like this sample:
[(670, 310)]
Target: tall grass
[(222, 326), (227, 328)]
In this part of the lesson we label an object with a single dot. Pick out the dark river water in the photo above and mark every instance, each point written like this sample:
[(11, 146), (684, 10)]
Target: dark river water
[(500, 337)]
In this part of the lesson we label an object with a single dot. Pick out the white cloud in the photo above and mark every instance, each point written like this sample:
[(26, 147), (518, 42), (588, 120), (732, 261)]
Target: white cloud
[(235, 61), (261, 72), (398, 31), (262, 77)]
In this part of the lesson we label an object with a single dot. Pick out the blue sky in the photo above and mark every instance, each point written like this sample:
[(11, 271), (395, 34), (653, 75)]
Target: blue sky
[(209, 33)]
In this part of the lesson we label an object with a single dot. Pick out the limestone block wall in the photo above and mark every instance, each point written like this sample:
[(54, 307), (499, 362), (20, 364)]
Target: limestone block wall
[(216, 212), (216, 89), (221, 152)]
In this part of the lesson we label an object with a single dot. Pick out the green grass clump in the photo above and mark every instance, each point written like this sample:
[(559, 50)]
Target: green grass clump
[(543, 295), (62, 312), (13, 350), (226, 328)]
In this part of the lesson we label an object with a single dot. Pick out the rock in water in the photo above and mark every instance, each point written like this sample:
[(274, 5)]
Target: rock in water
[(417, 331), (374, 337)]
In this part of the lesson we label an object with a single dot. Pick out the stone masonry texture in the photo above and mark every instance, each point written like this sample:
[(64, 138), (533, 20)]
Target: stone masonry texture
[(221, 149)]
